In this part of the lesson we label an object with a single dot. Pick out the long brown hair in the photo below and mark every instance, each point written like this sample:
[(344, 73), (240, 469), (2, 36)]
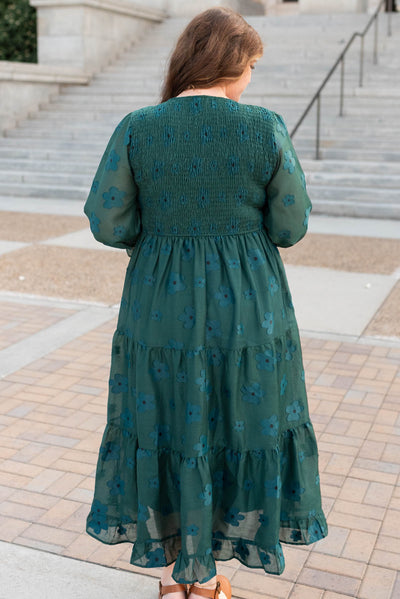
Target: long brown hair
[(215, 47)]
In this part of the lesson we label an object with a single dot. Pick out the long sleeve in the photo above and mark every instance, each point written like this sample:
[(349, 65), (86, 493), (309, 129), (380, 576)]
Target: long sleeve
[(287, 206), (112, 205)]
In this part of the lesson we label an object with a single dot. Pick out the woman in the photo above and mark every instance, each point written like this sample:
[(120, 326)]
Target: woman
[(208, 452)]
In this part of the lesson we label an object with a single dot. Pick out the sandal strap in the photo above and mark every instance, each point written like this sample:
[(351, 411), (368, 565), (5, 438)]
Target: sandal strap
[(172, 588), (209, 593)]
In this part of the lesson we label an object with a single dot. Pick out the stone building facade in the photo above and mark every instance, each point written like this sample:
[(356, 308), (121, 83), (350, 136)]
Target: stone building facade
[(188, 7)]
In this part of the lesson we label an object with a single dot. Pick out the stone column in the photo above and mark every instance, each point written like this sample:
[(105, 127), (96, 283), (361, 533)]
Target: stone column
[(89, 34)]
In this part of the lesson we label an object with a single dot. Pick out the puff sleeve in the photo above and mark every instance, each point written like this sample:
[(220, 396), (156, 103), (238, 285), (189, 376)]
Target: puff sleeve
[(112, 205), (288, 206)]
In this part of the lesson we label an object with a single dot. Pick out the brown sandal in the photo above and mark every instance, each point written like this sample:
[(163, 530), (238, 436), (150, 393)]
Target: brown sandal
[(171, 588), (223, 586)]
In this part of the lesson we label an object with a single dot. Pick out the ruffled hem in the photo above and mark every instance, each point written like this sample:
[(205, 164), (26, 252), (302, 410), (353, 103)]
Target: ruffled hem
[(222, 505), (193, 568)]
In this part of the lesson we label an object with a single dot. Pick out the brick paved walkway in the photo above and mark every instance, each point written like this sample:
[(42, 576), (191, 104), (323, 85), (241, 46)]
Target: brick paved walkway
[(52, 415)]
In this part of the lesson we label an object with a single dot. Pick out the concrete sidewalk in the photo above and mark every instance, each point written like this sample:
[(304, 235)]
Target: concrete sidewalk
[(36, 574)]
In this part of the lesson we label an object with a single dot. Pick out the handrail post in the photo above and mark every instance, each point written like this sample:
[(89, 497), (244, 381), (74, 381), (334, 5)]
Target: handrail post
[(317, 154), (341, 86), (376, 40), (341, 58), (361, 80), (389, 32)]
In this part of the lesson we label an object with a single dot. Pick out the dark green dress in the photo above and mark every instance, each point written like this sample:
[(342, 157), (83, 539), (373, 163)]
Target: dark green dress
[(208, 452)]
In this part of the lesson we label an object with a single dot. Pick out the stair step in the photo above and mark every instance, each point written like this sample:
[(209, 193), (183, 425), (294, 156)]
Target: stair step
[(359, 209), (356, 155), (44, 191), (72, 156), (374, 182), (359, 194), (43, 178), (353, 167), (55, 166)]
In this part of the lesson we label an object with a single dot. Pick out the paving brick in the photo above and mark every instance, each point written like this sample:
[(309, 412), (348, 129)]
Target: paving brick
[(378, 494), (336, 565), (107, 555), (60, 512), (341, 440), (355, 522), (65, 484), (16, 510), (373, 475), (38, 544), (337, 426), (77, 521), (20, 468), (331, 582), (75, 467), (49, 534), (85, 457), (372, 449), (11, 528), (82, 547), (359, 545), (30, 498), (9, 479), (378, 583), (394, 503), (386, 543), (295, 559), (340, 464), (358, 429), (385, 416), (338, 449), (373, 400), (43, 480), (391, 454), (260, 582), (387, 559), (5, 492), (300, 591), (59, 440), (334, 543), (364, 511), (396, 588), (354, 489), (6, 452), (48, 456), (390, 523)]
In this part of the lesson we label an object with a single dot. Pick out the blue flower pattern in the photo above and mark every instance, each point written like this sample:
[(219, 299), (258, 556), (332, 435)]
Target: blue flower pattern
[(113, 198)]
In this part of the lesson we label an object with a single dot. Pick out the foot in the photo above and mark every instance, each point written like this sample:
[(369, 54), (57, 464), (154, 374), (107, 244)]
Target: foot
[(209, 585), (224, 589), (175, 594), (167, 580)]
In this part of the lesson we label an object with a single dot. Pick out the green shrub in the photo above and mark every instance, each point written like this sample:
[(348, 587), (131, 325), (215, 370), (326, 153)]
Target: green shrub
[(18, 39)]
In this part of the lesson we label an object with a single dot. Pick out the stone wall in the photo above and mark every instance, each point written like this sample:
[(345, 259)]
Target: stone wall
[(89, 34), (24, 86)]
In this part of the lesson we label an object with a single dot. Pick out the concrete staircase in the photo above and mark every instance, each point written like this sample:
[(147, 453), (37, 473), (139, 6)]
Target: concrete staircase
[(54, 153)]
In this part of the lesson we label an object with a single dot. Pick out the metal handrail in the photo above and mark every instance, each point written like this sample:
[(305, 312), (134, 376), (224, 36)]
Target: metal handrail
[(341, 61)]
